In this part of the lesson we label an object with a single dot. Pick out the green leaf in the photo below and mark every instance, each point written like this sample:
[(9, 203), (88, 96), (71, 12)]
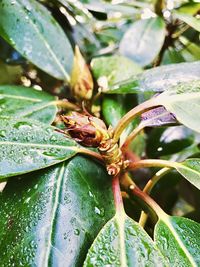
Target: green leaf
[(28, 145), (157, 79), (189, 19), (19, 101), (114, 68), (189, 8), (9, 74), (29, 27), (183, 101), (179, 241), (122, 242), (51, 217), (190, 169), (162, 141), (171, 56), (143, 41), (191, 51)]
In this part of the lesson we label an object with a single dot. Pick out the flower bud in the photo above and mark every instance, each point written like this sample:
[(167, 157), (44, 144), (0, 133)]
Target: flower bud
[(81, 78), (85, 129)]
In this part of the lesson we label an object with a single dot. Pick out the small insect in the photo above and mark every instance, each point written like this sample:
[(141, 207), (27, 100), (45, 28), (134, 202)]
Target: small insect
[(92, 132)]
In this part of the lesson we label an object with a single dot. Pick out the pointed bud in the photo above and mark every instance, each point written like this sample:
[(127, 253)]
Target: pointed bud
[(81, 78), (85, 129)]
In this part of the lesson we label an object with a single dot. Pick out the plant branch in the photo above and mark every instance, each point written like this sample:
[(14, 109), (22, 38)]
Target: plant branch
[(145, 163), (160, 6), (91, 153), (131, 137), (130, 186), (124, 122), (148, 188), (117, 194), (64, 103)]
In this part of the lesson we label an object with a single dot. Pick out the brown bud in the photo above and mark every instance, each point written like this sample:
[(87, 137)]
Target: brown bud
[(81, 78), (85, 129)]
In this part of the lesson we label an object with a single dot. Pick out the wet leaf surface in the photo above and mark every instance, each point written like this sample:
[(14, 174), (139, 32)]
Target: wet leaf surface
[(179, 241), (29, 27), (122, 242), (19, 101), (51, 217), (158, 79), (28, 145)]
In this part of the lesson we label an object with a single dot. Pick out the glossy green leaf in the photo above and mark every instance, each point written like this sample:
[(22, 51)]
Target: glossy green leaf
[(30, 28), (191, 51), (122, 242), (28, 145), (51, 217), (143, 40), (158, 79), (189, 8), (114, 68), (189, 19), (183, 101), (179, 241), (190, 169), (172, 56), (19, 101), (162, 141)]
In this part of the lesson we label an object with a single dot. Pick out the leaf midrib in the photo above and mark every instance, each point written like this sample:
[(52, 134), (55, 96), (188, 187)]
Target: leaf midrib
[(121, 218), (66, 147), (20, 97), (180, 242), (54, 209)]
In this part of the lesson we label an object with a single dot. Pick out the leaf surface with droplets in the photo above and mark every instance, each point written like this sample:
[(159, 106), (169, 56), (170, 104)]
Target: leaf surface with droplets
[(30, 28), (28, 145), (179, 241), (19, 101), (122, 242), (50, 217)]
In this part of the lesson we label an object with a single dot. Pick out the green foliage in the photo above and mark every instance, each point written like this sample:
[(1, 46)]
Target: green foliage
[(17, 101), (28, 145), (140, 62), (47, 200), (178, 240)]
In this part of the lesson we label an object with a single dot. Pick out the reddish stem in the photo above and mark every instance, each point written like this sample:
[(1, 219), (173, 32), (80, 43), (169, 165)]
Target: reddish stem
[(117, 194)]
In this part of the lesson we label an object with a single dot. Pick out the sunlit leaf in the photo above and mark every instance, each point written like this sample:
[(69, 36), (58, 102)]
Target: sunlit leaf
[(183, 101), (190, 169), (143, 40), (114, 69), (189, 19), (157, 79)]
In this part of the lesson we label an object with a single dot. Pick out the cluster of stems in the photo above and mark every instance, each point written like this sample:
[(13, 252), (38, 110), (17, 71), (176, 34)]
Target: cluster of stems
[(112, 155)]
